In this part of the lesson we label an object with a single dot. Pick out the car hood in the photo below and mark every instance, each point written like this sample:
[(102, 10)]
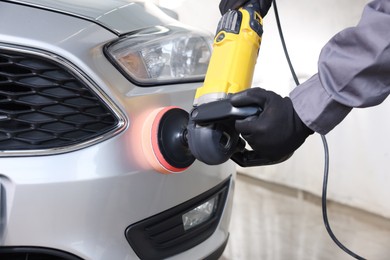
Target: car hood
[(119, 16)]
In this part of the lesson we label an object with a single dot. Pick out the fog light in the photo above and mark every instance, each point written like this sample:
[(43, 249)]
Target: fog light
[(200, 214)]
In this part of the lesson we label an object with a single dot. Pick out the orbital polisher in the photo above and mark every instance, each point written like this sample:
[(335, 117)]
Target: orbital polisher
[(173, 138)]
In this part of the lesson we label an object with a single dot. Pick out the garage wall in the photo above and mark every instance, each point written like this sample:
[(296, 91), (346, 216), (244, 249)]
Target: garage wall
[(359, 156)]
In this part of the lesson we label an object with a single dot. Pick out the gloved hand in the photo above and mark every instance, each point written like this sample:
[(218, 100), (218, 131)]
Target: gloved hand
[(225, 5), (277, 131)]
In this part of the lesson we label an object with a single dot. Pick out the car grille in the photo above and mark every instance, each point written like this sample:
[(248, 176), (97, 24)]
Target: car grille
[(43, 105), (163, 235)]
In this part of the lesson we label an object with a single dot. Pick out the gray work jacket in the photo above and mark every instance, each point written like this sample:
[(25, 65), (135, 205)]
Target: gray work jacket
[(353, 71)]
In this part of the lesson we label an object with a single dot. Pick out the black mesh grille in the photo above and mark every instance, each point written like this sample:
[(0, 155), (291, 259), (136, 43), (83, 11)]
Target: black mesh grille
[(43, 105)]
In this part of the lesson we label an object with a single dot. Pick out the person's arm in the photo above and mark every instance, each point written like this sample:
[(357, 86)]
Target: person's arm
[(353, 71)]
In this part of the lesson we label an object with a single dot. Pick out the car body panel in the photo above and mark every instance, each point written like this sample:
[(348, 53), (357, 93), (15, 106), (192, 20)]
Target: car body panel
[(82, 201), (112, 15)]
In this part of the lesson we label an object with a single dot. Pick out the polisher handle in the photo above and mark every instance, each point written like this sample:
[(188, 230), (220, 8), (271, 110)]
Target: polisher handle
[(221, 110), (223, 114)]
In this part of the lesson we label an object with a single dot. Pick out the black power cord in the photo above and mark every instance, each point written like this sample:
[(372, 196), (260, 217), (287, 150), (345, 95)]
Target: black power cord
[(325, 144)]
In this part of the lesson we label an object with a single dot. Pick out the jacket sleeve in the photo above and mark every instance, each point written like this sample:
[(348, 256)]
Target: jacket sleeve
[(353, 71)]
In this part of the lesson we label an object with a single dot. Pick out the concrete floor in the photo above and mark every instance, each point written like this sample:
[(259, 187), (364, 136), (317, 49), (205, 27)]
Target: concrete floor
[(278, 223)]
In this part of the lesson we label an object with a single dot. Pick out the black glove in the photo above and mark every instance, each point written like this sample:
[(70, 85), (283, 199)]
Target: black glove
[(277, 131), (226, 5)]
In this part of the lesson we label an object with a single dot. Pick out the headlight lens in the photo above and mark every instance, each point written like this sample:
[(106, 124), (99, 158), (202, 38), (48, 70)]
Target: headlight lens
[(161, 55)]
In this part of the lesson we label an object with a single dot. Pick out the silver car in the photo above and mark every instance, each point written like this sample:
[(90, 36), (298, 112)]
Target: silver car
[(77, 78)]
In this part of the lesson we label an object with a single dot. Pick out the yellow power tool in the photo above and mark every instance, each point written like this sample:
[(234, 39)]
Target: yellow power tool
[(211, 134), (235, 50)]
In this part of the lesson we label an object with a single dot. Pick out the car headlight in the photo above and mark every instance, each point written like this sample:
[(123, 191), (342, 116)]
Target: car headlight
[(162, 55)]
